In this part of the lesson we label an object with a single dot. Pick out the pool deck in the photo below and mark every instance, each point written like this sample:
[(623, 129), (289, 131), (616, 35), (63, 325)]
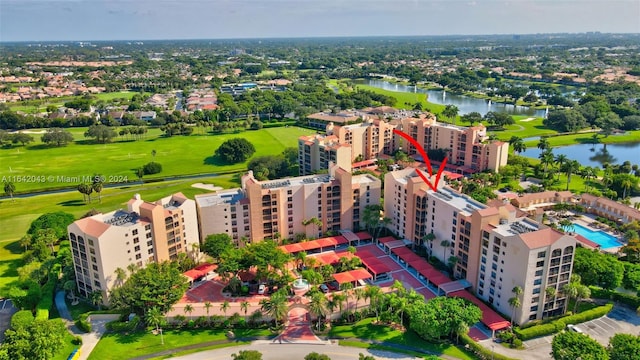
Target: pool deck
[(587, 222)]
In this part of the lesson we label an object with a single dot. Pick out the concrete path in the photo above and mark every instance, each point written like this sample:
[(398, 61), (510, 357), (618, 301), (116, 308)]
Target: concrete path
[(298, 329), (98, 325)]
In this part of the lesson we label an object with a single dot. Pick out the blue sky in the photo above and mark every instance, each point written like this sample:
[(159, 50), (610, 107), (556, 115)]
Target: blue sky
[(41, 20)]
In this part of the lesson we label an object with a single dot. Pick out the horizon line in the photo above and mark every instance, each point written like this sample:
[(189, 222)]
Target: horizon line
[(323, 37)]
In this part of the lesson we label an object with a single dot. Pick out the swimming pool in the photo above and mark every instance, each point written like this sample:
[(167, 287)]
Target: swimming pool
[(600, 237)]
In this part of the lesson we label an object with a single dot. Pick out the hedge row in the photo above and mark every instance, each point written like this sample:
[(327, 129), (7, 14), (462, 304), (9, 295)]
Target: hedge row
[(83, 323), (631, 300), (21, 318), (482, 352), (46, 301), (560, 324)]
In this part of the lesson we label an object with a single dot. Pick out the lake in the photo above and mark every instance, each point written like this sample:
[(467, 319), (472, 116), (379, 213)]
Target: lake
[(465, 104), (588, 155)]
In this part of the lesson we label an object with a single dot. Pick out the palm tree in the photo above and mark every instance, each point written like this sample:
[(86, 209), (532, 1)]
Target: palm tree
[(546, 158), (514, 302), (244, 306), (517, 144), (207, 306), (428, 239), (543, 144), (450, 112), (561, 159), (121, 276), (132, 268), (276, 306), (96, 298), (550, 294), (566, 225), (224, 307), (154, 317), (340, 299), (571, 167), (595, 140), (9, 189), (315, 222), (359, 294), (373, 293), (589, 173), (317, 306), (571, 291), (300, 258), (626, 184), (583, 293), (26, 241), (70, 287), (445, 244), (188, 309), (140, 174), (153, 154)]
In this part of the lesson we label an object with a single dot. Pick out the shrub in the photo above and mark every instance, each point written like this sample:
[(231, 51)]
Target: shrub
[(46, 301), (124, 326), (77, 340), (516, 344), (83, 323), (21, 319), (152, 168), (481, 351), (558, 325), (235, 150)]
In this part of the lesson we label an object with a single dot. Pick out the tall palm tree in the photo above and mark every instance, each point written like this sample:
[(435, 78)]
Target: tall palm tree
[(9, 189), (450, 112), (207, 306), (589, 173), (561, 159), (571, 167), (317, 223), (155, 317), (244, 306), (515, 303), (318, 306), (132, 268), (570, 290), (583, 293), (373, 293), (275, 306), (96, 298), (626, 184), (224, 307), (543, 144), (188, 309), (517, 291), (445, 244), (26, 241), (550, 295), (517, 144), (546, 158), (121, 276), (359, 295), (428, 239), (97, 186), (340, 299)]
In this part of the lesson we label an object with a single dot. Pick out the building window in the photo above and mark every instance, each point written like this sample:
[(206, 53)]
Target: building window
[(137, 248), (150, 251), (136, 240), (542, 254), (134, 232), (538, 273), (138, 256), (540, 264), (534, 308)]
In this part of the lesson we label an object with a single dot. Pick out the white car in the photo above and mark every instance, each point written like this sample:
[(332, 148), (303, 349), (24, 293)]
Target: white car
[(574, 328), (261, 289)]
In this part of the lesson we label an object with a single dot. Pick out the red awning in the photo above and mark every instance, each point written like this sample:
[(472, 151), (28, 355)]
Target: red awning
[(291, 248), (411, 257), (369, 162), (193, 274), (489, 317), (352, 276), (401, 251), (386, 239), (363, 235), (341, 240), (326, 242), (375, 266), (364, 254), (206, 268)]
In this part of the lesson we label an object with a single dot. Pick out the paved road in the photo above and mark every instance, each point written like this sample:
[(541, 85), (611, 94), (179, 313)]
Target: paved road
[(62, 306), (271, 351), (6, 312)]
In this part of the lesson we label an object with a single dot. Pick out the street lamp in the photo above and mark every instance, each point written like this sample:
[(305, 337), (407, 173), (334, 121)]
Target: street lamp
[(493, 351), (161, 337)]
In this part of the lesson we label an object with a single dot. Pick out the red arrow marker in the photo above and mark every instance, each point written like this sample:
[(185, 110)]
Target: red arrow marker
[(420, 149)]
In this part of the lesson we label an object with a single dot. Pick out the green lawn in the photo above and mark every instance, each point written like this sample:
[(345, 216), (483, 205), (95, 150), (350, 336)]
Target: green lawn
[(17, 215), (60, 167), (363, 345), (115, 95), (524, 129), (67, 348), (126, 346), (563, 140), (405, 100), (365, 330), (205, 348)]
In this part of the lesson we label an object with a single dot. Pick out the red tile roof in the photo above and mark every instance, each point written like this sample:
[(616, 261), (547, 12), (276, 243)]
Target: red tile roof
[(489, 317), (352, 276)]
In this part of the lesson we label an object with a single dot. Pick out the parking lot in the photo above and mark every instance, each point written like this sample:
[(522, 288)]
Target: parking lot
[(619, 320), (6, 311)]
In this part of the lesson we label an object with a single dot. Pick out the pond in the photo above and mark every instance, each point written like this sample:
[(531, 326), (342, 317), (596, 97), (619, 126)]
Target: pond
[(590, 155), (465, 104)]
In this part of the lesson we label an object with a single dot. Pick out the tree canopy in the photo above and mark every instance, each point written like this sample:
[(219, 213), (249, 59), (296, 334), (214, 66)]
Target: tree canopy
[(101, 133), (38, 339), (598, 269), (624, 347), (57, 137), (571, 345), (235, 150), (158, 285), (442, 316), (216, 244), (58, 221)]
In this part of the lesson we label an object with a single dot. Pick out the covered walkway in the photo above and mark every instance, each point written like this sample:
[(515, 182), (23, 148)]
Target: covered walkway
[(490, 318)]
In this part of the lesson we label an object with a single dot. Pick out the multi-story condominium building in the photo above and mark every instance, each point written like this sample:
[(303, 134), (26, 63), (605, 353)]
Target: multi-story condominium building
[(368, 139), (316, 152), (281, 208), (495, 248), (145, 232), (608, 208), (464, 145), (322, 119)]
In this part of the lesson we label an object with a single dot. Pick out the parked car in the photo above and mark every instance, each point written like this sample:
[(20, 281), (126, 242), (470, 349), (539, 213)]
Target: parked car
[(333, 285), (574, 328), (324, 288), (261, 289)]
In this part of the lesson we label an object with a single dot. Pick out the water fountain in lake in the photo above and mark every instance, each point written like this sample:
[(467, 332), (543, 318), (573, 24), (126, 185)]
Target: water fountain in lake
[(489, 102), (300, 287)]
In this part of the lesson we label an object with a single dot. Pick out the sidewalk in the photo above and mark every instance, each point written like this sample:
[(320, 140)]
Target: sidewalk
[(240, 341)]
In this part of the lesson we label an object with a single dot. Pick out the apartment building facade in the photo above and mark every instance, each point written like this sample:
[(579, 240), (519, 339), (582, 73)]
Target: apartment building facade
[(609, 209), (368, 139), (280, 208), (464, 145), (495, 248), (145, 232), (316, 152)]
